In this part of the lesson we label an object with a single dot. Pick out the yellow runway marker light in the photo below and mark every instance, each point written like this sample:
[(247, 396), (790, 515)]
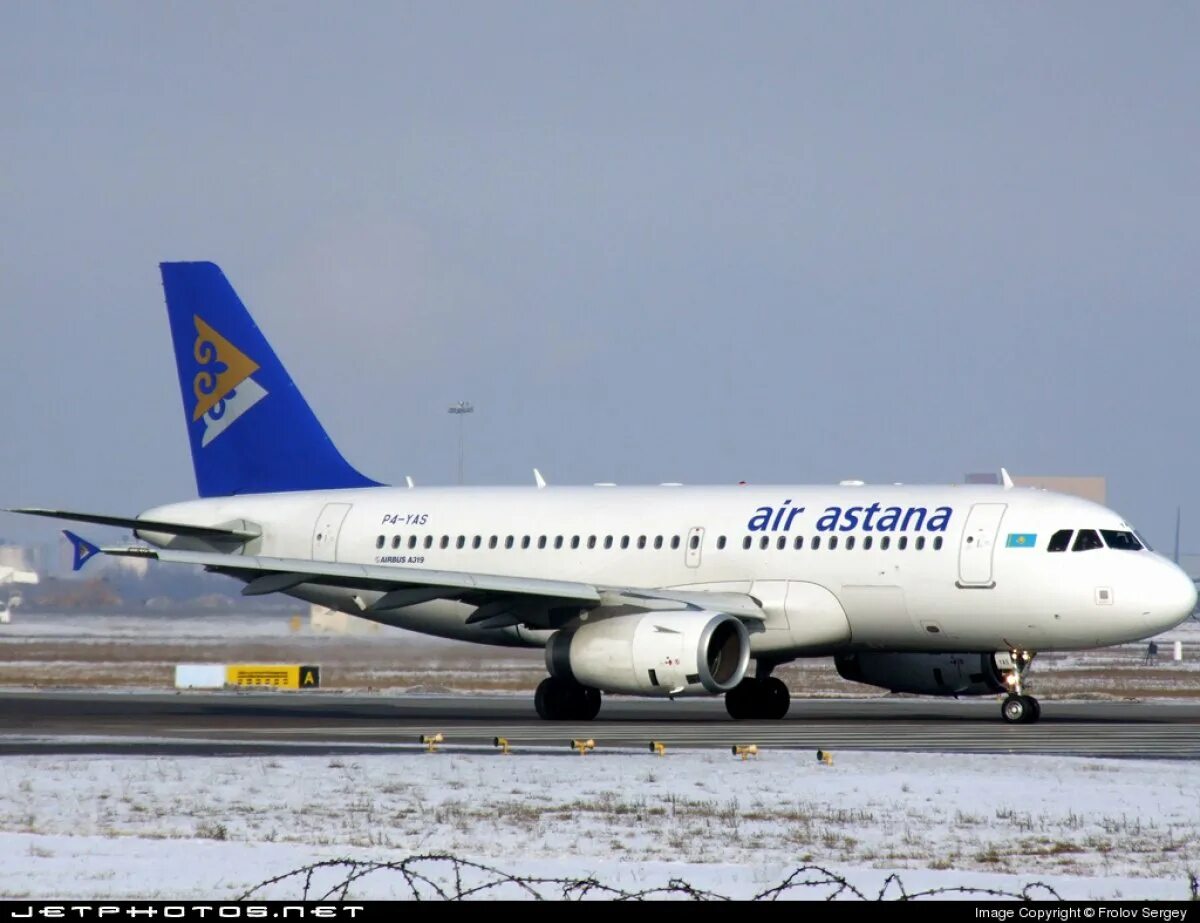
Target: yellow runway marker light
[(583, 746), (745, 751), (431, 741), (501, 743), (658, 748), (824, 756)]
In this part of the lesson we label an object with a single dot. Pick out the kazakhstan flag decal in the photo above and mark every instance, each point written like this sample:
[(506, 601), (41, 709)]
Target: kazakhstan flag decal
[(1021, 540)]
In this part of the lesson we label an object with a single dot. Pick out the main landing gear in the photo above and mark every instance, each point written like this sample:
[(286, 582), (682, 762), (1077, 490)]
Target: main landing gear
[(1018, 708), (765, 698), (566, 700)]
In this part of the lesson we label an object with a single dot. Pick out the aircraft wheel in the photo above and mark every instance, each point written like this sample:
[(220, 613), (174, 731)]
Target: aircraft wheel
[(587, 702), (739, 701), (773, 699), (1016, 709), (1035, 709)]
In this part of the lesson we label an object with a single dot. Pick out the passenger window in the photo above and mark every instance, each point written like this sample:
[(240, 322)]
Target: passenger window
[(798, 544), (428, 541), (477, 541), (885, 543), (524, 541), (746, 543), (903, 543), (641, 541), (541, 542), (379, 542), (694, 542), (720, 543), (657, 542), (867, 543), (850, 543), (607, 542), (557, 542), (508, 542), (395, 541), (833, 542), (781, 543), (1060, 540), (461, 542), (574, 541), (445, 542), (764, 542), (412, 541), (1086, 540), (1121, 541), (674, 542), (492, 541), (920, 543), (624, 542), (937, 543), (591, 541)]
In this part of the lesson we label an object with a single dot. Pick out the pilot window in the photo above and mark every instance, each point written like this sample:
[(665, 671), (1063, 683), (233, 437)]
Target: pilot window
[(1086, 540), (1121, 541), (1060, 540)]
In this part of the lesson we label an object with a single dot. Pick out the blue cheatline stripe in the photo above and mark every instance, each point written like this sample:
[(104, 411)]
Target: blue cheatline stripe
[(1021, 539)]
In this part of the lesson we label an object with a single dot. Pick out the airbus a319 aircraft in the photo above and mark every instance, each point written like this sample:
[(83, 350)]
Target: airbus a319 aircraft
[(656, 591)]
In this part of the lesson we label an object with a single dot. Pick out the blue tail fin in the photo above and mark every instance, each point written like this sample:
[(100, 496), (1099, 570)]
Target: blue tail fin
[(251, 430)]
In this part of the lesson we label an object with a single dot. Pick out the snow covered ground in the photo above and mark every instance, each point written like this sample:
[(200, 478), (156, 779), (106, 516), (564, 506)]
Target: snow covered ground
[(85, 827)]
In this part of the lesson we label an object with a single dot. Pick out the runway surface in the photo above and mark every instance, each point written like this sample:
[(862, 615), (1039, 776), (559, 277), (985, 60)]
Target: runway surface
[(226, 723)]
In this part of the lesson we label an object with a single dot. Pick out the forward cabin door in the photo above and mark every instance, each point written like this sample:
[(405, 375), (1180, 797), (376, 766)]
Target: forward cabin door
[(979, 544), (327, 529), (695, 544)]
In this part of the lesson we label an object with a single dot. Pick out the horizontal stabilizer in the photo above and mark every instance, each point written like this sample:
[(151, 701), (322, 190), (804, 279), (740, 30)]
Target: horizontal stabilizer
[(146, 525), (83, 550)]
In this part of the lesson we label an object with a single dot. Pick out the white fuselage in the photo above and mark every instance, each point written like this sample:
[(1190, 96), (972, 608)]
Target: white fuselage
[(897, 568)]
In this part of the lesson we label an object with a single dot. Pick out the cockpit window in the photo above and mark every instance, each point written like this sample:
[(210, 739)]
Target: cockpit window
[(1141, 538), (1086, 540), (1060, 540), (1122, 541)]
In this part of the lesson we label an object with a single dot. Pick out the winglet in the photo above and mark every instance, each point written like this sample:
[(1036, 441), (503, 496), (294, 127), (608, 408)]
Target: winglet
[(538, 479), (1005, 479), (84, 550)]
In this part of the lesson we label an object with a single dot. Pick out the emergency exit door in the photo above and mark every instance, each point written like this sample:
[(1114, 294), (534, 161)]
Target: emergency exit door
[(979, 544)]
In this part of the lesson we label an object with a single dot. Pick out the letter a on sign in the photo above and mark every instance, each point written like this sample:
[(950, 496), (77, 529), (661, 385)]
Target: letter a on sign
[(310, 676)]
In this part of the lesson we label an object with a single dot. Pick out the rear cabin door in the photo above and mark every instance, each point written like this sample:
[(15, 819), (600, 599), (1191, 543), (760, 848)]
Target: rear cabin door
[(979, 544), (695, 544), (327, 529)]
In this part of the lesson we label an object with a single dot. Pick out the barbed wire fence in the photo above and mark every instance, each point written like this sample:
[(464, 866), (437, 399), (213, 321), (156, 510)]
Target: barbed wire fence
[(441, 876)]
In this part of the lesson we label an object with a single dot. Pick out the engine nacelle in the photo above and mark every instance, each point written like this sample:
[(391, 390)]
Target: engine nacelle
[(927, 674), (677, 652)]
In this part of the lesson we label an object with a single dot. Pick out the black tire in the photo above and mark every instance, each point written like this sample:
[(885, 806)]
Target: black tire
[(740, 700), (1015, 709), (589, 704), (1035, 709), (773, 699), (544, 699)]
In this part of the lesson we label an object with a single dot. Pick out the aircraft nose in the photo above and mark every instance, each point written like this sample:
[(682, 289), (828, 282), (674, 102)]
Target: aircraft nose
[(1177, 599)]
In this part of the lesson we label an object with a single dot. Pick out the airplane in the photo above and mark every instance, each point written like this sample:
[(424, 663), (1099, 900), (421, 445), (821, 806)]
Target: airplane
[(662, 591)]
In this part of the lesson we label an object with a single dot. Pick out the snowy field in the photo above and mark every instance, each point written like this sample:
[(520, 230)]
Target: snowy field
[(86, 827)]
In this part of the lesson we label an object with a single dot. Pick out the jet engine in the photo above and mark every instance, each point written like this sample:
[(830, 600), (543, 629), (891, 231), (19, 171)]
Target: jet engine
[(675, 652), (928, 674)]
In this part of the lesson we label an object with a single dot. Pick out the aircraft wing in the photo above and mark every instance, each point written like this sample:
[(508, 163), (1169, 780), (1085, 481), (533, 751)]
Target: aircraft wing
[(502, 600)]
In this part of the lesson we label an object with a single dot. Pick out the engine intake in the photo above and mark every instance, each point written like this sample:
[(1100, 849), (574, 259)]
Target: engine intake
[(676, 652)]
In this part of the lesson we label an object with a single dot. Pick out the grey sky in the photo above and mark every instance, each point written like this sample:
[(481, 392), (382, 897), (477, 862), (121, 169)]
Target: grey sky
[(775, 242)]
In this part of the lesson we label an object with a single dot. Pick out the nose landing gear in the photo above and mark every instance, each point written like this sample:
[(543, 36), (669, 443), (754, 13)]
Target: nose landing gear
[(1018, 708)]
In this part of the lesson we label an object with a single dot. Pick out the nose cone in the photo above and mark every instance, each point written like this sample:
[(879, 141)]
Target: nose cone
[(1175, 598)]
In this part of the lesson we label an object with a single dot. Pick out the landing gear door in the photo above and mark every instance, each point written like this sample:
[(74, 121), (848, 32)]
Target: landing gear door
[(978, 545), (695, 544), (327, 530)]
